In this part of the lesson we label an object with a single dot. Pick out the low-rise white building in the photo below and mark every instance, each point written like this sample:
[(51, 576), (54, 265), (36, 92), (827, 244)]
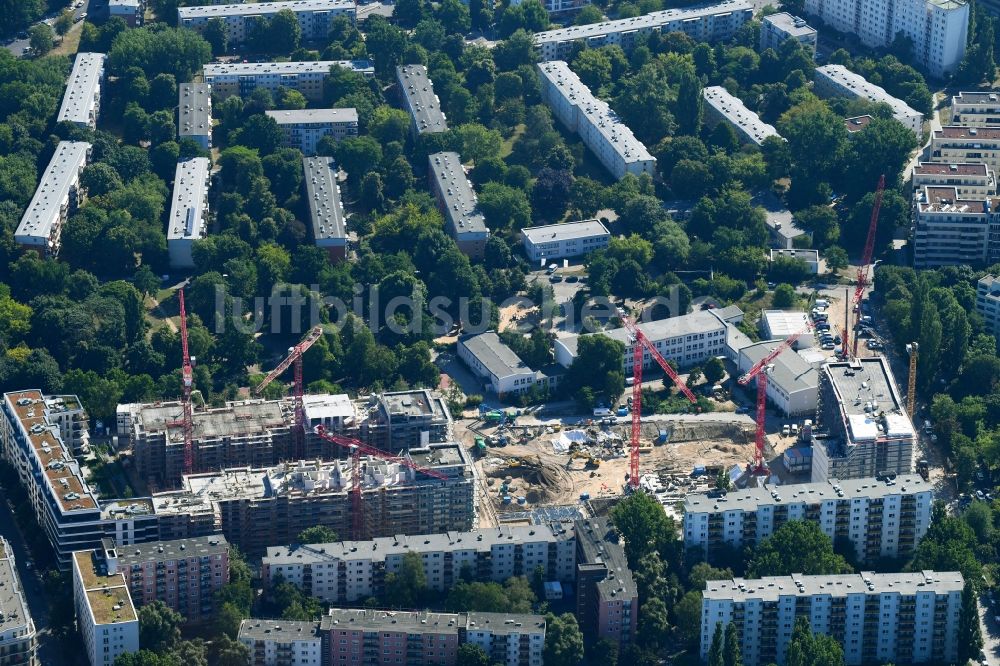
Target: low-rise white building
[(972, 181), (809, 257), (314, 16), (503, 371), (720, 106), (975, 109), (188, 210), (105, 616), (988, 302), (776, 28), (713, 22), (957, 144), (458, 203), (792, 382), (195, 113), (881, 518), (952, 230), (611, 141), (81, 103), (782, 324), (326, 208), (242, 78), (838, 81), (570, 239), (304, 128), (57, 197), (878, 618)]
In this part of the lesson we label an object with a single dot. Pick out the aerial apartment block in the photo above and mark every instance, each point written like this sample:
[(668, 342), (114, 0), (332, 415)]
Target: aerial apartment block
[(957, 144), (938, 28), (326, 208), (314, 16), (882, 518), (395, 421), (458, 203), (715, 22), (838, 81), (416, 92), (975, 109), (501, 371), (18, 640), (908, 618), (688, 339), (607, 599), (105, 616), (257, 508), (195, 113), (130, 11), (361, 637), (950, 229), (988, 302), (349, 571), (57, 197), (242, 78), (184, 574), (611, 141), (561, 241), (188, 210), (862, 427), (32, 441), (972, 181), (555, 7), (776, 28), (81, 103), (722, 107), (304, 128)]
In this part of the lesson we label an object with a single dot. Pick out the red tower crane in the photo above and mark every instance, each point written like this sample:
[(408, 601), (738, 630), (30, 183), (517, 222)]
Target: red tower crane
[(356, 448), (866, 260), (643, 343), (187, 383), (294, 357), (757, 467)]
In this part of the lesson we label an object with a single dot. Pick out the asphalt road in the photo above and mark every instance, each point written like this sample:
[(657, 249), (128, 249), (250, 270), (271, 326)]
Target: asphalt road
[(17, 46)]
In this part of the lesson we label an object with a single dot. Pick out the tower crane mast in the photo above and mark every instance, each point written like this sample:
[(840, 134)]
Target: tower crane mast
[(187, 384), (864, 267)]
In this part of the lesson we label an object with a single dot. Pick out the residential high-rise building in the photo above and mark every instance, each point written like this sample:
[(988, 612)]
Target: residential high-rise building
[(838, 81), (988, 302), (81, 103), (950, 229), (972, 181), (975, 109), (195, 113), (881, 518), (720, 106), (242, 78), (105, 616), (938, 28), (458, 203), (56, 198), (862, 427), (607, 600), (909, 618), (776, 28), (957, 144), (599, 127), (350, 571), (314, 16), (188, 210), (18, 641), (713, 22), (397, 420), (416, 92)]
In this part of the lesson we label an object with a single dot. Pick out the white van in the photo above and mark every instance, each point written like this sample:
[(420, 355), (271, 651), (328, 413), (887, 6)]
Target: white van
[(822, 303), (602, 411)]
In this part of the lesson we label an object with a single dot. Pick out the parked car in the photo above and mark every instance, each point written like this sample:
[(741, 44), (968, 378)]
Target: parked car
[(555, 278), (837, 339), (828, 346)]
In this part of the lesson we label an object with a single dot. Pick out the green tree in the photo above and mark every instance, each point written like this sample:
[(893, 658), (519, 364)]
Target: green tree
[(159, 626), (604, 652), (504, 207), (970, 637), (64, 22), (836, 258), (654, 626), (317, 534), (470, 654), (641, 521), (809, 649), (598, 368), (715, 657), (796, 547), (283, 32), (405, 588), (478, 143), (714, 370), (227, 651), (589, 14), (687, 619), (41, 38), (563, 640), (784, 296), (731, 655), (217, 36)]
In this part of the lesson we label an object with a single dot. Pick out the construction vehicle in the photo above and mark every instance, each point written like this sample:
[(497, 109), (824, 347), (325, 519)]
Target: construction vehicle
[(640, 345), (864, 267), (924, 469)]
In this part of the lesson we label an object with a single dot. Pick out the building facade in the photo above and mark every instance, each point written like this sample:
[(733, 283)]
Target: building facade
[(242, 78), (714, 22), (988, 302), (881, 518), (563, 241), (458, 203), (81, 103), (195, 114), (975, 109), (352, 571), (326, 207), (909, 618), (18, 640), (949, 229), (721, 107), (792, 383), (304, 128), (862, 427), (809, 257), (776, 28), (972, 181), (939, 28), (502, 371), (556, 7), (416, 92), (957, 144), (838, 81), (314, 16), (607, 600), (58, 196), (105, 617), (395, 421), (188, 210), (600, 129)]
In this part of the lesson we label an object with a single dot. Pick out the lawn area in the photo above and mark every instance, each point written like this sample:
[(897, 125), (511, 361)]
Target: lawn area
[(508, 145), (70, 42), (161, 310)]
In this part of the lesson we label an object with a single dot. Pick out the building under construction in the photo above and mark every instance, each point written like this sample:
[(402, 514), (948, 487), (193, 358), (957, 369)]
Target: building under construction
[(863, 428), (259, 433), (257, 508)]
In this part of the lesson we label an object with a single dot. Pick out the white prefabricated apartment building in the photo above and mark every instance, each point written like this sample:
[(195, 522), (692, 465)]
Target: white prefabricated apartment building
[(242, 78), (81, 103), (838, 81), (188, 210), (56, 198), (314, 16)]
